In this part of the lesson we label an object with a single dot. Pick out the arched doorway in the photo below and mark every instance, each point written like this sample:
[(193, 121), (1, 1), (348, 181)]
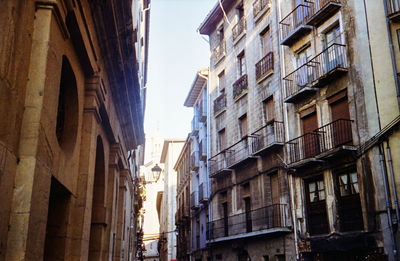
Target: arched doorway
[(243, 256), (98, 205)]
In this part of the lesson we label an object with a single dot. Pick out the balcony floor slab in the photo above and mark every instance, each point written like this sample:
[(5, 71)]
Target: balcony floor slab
[(252, 234)]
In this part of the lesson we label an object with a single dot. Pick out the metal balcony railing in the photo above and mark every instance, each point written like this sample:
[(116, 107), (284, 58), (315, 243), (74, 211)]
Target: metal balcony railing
[(194, 200), (393, 7), (265, 66), (322, 10), (323, 139), (240, 151), (217, 163), (309, 74), (271, 133), (219, 51), (203, 111), (291, 23), (203, 150), (194, 160), (259, 5), (220, 103), (195, 125), (240, 86), (203, 193), (239, 28), (273, 216)]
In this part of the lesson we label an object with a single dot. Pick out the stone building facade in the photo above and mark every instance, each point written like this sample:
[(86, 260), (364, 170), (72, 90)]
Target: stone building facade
[(182, 217), (167, 208), (71, 126), (304, 115), (199, 176), (250, 217)]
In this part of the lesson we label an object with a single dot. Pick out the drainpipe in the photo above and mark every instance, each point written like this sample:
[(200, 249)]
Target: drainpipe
[(387, 197), (393, 181), (394, 66)]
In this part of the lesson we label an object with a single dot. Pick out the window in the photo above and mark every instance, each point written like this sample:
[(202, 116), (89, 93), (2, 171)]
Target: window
[(240, 11), (316, 191), (269, 110), (348, 184), (333, 36), (243, 126), (220, 34), (221, 81), (221, 140), (242, 64), (266, 41), (303, 56)]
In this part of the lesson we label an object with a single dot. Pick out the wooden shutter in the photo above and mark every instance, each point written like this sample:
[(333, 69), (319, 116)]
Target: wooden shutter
[(339, 106), (309, 122)]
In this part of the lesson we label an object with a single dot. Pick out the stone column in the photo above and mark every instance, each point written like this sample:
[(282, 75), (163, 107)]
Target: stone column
[(23, 243), (82, 205)]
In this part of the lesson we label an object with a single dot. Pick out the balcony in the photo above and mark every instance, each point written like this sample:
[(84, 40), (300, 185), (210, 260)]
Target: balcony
[(195, 126), (203, 111), (203, 195), (240, 87), (218, 165), (393, 11), (267, 220), (194, 161), (324, 142), (265, 67), (219, 103), (294, 26), (321, 10), (260, 7), (239, 29), (320, 70), (194, 200), (219, 52), (203, 150), (268, 137), (240, 152)]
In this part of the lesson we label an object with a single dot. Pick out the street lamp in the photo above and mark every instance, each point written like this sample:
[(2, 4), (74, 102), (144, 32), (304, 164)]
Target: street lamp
[(156, 172)]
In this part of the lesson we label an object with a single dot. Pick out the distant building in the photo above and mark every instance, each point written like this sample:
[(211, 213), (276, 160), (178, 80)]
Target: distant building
[(199, 181), (71, 128), (152, 185), (167, 209), (182, 216)]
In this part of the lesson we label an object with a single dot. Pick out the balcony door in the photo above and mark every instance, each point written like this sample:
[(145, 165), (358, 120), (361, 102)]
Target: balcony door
[(275, 196), (334, 56), (349, 202), (316, 206), (340, 111), (310, 141), (225, 213), (247, 206)]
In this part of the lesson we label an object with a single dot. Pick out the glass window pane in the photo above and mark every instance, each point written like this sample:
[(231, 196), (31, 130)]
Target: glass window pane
[(322, 195), (313, 197), (355, 188), (353, 177), (312, 187), (343, 180), (321, 185)]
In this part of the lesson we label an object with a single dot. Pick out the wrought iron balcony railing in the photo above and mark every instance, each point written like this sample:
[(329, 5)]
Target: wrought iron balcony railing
[(220, 103), (393, 11), (219, 52), (195, 125), (218, 164), (194, 160), (240, 86), (321, 140), (194, 200), (265, 66), (203, 150), (267, 136), (203, 193), (260, 5), (240, 151), (321, 10), (293, 26), (257, 220), (239, 28), (314, 72)]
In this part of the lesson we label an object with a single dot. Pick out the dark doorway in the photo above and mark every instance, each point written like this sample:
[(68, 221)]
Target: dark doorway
[(57, 222), (225, 212), (247, 204), (316, 206)]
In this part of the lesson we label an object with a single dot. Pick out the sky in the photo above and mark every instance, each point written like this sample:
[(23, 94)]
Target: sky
[(176, 52)]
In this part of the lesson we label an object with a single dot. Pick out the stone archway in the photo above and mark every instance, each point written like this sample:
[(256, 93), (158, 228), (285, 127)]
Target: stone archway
[(98, 222)]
